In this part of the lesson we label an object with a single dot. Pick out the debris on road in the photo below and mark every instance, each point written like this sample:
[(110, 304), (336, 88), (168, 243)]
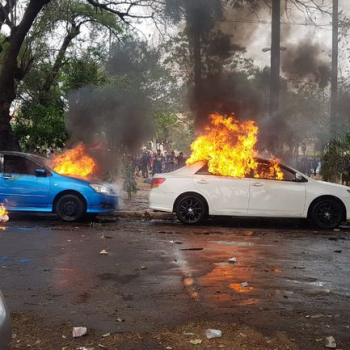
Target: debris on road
[(188, 333), (120, 319), (232, 260), (143, 267), (107, 236), (79, 331), (192, 248), (24, 261), (337, 251), (244, 284), (330, 343), (103, 252), (196, 341), (105, 335), (213, 333)]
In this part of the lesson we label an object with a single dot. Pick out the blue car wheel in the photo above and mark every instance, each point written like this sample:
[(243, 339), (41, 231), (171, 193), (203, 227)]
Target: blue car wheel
[(70, 208)]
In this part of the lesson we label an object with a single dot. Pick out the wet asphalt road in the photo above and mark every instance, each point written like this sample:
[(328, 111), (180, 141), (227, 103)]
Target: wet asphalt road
[(162, 273)]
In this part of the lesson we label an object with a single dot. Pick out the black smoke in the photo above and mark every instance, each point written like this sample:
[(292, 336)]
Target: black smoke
[(116, 118), (306, 61)]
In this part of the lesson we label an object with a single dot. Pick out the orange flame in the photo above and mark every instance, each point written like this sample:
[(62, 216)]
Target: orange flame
[(3, 213), (229, 148), (74, 162)]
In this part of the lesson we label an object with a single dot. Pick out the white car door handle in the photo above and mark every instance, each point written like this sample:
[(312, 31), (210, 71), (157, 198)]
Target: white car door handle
[(202, 182), (257, 184)]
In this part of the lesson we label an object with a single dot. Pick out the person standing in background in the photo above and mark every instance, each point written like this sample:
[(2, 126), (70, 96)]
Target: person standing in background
[(158, 163)]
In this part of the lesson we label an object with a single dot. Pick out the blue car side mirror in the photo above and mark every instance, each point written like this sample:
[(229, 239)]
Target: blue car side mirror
[(40, 172)]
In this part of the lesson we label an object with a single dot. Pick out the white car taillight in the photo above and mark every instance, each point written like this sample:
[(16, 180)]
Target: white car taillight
[(156, 182)]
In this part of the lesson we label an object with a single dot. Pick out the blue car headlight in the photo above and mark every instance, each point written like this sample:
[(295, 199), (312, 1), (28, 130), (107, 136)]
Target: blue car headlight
[(99, 188)]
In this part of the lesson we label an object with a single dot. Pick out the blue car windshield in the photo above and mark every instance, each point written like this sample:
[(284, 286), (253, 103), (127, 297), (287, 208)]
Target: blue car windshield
[(45, 162)]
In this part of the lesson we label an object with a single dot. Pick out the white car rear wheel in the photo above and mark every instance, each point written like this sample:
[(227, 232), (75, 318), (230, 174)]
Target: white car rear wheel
[(190, 209)]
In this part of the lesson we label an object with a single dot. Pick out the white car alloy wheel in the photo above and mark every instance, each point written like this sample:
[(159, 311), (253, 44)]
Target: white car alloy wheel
[(190, 209), (327, 214)]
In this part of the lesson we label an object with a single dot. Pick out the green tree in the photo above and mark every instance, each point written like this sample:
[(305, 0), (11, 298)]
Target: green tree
[(21, 23), (336, 160), (44, 128), (173, 131)]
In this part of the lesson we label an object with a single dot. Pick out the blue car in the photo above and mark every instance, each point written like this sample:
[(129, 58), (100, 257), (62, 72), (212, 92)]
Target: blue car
[(28, 184)]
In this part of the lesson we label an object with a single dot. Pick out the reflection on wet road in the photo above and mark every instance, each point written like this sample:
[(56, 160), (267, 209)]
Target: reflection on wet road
[(161, 273)]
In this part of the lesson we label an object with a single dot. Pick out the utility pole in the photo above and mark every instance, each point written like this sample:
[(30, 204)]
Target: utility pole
[(334, 77), (274, 105)]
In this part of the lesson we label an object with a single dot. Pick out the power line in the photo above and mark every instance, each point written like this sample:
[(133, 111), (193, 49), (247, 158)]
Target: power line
[(257, 21)]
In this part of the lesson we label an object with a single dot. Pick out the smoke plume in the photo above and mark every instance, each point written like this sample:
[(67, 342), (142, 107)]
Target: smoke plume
[(117, 116), (306, 60)]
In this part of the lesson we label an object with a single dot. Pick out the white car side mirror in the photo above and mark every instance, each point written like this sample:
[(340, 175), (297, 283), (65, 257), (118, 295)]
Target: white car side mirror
[(298, 177)]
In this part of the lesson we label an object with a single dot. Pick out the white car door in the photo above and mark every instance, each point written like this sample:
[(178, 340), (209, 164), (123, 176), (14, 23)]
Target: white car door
[(226, 195), (277, 198)]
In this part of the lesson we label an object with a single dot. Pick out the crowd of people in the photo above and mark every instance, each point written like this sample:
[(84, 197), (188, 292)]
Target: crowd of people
[(309, 166), (149, 162)]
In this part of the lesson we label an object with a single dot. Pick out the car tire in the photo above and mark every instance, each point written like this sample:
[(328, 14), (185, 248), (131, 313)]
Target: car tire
[(70, 208), (327, 214), (191, 209)]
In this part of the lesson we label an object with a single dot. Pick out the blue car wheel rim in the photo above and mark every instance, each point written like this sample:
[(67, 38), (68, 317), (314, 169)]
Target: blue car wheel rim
[(70, 208)]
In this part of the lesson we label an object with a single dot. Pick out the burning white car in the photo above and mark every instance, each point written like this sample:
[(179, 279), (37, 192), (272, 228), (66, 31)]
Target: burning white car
[(193, 193)]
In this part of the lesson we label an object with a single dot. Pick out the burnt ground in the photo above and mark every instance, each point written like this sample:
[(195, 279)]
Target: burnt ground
[(163, 284)]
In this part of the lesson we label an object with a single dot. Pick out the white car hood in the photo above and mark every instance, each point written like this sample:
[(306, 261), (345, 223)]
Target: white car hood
[(332, 185)]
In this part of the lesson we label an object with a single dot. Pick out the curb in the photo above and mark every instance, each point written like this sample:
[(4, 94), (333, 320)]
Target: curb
[(144, 214)]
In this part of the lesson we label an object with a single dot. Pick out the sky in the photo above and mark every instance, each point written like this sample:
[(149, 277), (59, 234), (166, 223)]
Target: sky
[(294, 22)]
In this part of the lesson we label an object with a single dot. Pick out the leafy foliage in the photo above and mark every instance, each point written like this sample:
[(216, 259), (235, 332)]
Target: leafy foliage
[(173, 131), (41, 127), (336, 159)]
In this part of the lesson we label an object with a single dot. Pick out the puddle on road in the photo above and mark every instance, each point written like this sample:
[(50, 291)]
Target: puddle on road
[(313, 283), (233, 243), (222, 284)]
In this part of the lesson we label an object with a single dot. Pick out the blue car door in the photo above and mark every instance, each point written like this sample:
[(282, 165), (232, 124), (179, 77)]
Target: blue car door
[(20, 187)]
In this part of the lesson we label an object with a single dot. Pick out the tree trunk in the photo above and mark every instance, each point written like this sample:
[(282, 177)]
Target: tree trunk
[(8, 72), (274, 105), (334, 78), (200, 120), (52, 76)]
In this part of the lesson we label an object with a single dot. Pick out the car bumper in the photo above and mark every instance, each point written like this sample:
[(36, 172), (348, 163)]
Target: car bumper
[(103, 204), (5, 326), (162, 201)]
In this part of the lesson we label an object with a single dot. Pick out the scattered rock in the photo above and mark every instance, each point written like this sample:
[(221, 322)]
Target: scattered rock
[(103, 252), (330, 343), (79, 331), (213, 333), (232, 260)]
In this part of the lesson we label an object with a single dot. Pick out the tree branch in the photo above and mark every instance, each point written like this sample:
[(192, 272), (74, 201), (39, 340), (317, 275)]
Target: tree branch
[(122, 14)]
